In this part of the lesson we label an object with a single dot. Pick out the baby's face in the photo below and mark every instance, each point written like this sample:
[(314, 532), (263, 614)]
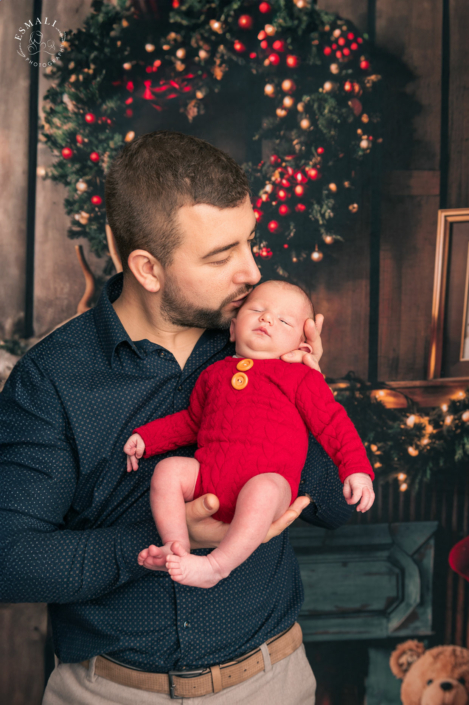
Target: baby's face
[(270, 323)]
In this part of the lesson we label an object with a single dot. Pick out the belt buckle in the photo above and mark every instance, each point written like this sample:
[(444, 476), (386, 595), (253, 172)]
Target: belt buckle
[(182, 674)]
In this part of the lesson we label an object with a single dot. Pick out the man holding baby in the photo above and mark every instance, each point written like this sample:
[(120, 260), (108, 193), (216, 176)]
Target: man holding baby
[(73, 521)]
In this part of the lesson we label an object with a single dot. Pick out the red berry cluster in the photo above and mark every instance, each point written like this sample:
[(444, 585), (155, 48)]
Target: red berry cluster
[(274, 50), (342, 46)]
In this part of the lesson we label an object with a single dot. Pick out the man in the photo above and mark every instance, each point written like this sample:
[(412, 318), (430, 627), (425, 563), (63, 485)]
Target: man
[(73, 520)]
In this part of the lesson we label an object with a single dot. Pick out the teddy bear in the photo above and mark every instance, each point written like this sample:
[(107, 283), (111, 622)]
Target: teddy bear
[(439, 676)]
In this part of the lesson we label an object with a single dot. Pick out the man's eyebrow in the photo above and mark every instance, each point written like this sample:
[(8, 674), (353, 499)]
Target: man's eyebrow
[(218, 250)]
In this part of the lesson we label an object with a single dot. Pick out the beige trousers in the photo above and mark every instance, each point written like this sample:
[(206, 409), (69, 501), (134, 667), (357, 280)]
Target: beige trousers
[(288, 682)]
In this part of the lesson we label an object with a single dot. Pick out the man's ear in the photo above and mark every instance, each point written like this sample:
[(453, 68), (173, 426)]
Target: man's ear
[(146, 269), (305, 347), (232, 330)]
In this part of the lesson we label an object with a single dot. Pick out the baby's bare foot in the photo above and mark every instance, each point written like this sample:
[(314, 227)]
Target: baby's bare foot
[(154, 557), (198, 571)]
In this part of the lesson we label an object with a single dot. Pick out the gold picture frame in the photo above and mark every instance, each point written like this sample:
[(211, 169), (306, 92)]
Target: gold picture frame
[(448, 289)]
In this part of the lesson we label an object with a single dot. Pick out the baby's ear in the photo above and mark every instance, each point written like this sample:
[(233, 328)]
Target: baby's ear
[(305, 347), (232, 330), (404, 656)]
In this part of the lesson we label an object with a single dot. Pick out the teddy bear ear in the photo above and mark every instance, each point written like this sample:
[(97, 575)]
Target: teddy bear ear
[(404, 656)]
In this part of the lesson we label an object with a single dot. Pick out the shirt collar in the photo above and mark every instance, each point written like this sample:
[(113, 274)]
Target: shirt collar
[(111, 332)]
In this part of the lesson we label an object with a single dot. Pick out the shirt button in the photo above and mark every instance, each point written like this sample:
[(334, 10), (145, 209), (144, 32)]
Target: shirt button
[(244, 365), (239, 380), (186, 624), (161, 354), (180, 388)]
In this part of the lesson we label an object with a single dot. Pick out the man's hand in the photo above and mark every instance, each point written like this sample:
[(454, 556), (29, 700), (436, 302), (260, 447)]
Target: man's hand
[(134, 449), (205, 532), (359, 487), (313, 341)]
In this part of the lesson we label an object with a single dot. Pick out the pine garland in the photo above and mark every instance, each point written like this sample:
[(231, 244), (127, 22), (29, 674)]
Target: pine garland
[(311, 77)]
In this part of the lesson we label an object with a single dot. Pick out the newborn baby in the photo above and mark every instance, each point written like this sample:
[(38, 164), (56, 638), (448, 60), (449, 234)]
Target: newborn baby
[(250, 415)]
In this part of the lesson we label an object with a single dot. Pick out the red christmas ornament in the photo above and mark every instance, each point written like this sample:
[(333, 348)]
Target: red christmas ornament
[(279, 45), (365, 65), (282, 194), (266, 252), (96, 200), (175, 4), (239, 46), (338, 54), (341, 41), (300, 177), (264, 44), (259, 203), (354, 46), (264, 7), (360, 40), (252, 55), (273, 226), (129, 112), (284, 209), (129, 101), (350, 36), (300, 207), (67, 153), (94, 156), (258, 213), (245, 22), (148, 95), (274, 59), (285, 183), (320, 150), (346, 52), (261, 35), (334, 46), (79, 139), (285, 246), (290, 170), (130, 86), (90, 118), (348, 86), (313, 174), (293, 61), (327, 51), (274, 159), (299, 190)]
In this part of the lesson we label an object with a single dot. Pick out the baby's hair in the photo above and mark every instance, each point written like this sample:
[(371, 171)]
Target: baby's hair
[(289, 285)]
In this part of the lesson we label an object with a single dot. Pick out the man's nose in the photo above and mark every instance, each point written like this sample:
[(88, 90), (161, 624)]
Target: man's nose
[(248, 272)]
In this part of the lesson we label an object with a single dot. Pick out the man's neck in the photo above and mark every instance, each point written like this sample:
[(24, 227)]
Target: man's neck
[(144, 321)]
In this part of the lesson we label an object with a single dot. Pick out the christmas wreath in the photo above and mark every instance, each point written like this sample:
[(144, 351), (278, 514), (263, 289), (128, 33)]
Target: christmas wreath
[(310, 68)]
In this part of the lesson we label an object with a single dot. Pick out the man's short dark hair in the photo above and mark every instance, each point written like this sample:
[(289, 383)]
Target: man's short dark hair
[(153, 177)]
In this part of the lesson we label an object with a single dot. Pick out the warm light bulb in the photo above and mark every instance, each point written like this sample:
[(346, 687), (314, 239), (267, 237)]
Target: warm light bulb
[(402, 476)]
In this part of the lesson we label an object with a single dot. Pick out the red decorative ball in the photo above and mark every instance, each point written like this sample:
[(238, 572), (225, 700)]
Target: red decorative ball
[(365, 65), (273, 226), (313, 174), (290, 170), (239, 46), (96, 200), (348, 86), (341, 41), (327, 51), (245, 22), (264, 44), (338, 54), (266, 252), (282, 194), (67, 153), (175, 4), (285, 246), (346, 52), (94, 156), (258, 213), (279, 45), (320, 150), (354, 46), (264, 7), (79, 139), (350, 36), (129, 112), (259, 203), (274, 59), (285, 183), (252, 55), (300, 207), (284, 209), (274, 159), (90, 118), (293, 61), (299, 190), (300, 177)]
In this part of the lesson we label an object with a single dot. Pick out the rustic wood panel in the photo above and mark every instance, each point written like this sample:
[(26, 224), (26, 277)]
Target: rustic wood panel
[(411, 34), (59, 284), (458, 133), (23, 630), (14, 79)]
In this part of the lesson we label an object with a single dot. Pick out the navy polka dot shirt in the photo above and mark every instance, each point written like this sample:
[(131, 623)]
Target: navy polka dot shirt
[(72, 520)]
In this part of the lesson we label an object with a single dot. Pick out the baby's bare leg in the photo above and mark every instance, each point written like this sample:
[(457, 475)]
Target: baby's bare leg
[(262, 500), (172, 485)]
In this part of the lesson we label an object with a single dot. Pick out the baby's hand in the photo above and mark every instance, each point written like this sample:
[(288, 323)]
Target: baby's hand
[(359, 486), (134, 448)]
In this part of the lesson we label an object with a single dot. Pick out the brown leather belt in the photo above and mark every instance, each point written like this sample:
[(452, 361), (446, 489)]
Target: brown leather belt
[(194, 684)]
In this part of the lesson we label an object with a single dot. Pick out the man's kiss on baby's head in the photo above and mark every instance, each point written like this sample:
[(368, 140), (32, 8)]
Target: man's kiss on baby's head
[(270, 323)]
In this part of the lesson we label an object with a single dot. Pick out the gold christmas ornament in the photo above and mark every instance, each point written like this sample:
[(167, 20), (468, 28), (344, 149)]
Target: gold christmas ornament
[(465, 416), (410, 420), (125, 23), (288, 101), (353, 207), (72, 78), (334, 68), (301, 4), (179, 66), (269, 89), (333, 188), (181, 53), (216, 26), (305, 124), (365, 144), (199, 95), (166, 47), (328, 239), (328, 86), (412, 451), (402, 476), (347, 184), (41, 171), (84, 217), (270, 30), (288, 85), (373, 448), (448, 420), (294, 260), (316, 256), (81, 186), (269, 188), (203, 54), (404, 486), (171, 36), (129, 136), (336, 33), (150, 47), (365, 118), (300, 107), (281, 112), (127, 66)]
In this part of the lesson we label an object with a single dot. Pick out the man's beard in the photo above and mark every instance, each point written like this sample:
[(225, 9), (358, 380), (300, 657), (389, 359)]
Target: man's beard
[(180, 312)]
